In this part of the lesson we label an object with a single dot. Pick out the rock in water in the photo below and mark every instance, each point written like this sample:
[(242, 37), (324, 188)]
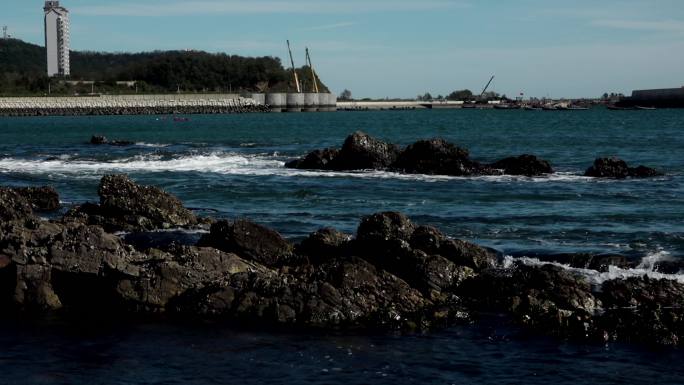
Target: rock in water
[(644, 172), (435, 157), (98, 140), (127, 206), (40, 198), (363, 152), (316, 160), (617, 168), (527, 165), (251, 241)]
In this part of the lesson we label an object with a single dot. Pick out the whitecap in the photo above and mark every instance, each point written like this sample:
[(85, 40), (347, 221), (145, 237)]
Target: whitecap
[(596, 278)]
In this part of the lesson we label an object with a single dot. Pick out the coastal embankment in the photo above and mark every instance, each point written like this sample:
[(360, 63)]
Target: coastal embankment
[(165, 104)]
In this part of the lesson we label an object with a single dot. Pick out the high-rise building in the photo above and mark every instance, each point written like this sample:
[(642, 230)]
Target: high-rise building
[(56, 39)]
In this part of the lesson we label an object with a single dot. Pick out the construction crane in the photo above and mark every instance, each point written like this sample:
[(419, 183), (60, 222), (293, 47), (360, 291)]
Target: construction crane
[(486, 87), (294, 71), (313, 73)]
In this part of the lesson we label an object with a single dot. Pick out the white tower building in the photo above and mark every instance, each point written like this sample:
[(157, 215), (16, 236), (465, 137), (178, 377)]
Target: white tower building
[(56, 39)]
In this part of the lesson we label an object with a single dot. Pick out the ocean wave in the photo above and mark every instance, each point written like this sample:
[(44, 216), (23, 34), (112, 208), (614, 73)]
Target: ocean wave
[(231, 163), (646, 267)]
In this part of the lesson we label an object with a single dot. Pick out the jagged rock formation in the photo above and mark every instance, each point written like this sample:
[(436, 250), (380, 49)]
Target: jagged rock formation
[(393, 274)]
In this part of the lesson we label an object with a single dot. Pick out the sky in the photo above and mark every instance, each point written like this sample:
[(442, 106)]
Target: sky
[(402, 48)]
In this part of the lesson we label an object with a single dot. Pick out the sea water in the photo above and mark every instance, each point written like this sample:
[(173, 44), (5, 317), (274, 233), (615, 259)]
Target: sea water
[(232, 166)]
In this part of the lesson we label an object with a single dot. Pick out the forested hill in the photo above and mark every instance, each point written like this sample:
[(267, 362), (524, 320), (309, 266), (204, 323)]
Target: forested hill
[(23, 68)]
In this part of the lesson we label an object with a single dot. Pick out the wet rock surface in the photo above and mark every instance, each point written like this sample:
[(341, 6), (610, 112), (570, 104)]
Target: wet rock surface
[(526, 165), (99, 140), (126, 206), (618, 169), (432, 157), (392, 275)]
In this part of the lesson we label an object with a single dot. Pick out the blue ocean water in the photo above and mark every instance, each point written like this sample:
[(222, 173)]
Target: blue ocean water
[(232, 166)]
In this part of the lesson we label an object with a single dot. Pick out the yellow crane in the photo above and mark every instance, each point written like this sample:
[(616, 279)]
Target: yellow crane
[(294, 71), (313, 73)]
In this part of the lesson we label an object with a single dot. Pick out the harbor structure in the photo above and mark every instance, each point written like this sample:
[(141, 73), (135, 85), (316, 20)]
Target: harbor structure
[(57, 39), (658, 98)]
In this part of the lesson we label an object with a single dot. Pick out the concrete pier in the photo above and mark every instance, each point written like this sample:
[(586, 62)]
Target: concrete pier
[(312, 102), (276, 102), (295, 102)]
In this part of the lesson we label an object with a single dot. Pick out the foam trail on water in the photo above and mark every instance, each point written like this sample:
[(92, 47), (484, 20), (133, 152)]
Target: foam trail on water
[(645, 268), (233, 164)]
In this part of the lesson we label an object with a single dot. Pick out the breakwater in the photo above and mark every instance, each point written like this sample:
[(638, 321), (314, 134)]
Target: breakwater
[(165, 104)]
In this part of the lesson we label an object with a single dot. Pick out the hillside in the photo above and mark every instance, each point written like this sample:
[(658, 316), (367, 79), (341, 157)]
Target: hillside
[(22, 71)]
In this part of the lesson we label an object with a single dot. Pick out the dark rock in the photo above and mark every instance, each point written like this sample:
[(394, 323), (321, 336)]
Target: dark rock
[(127, 206), (166, 276), (462, 253), (644, 172), (363, 152), (618, 169), (547, 297), (643, 310), (598, 262), (527, 165), (13, 206), (381, 227), (40, 198), (251, 241), (340, 293), (45, 250), (325, 244), (608, 168), (436, 157), (98, 140), (316, 160)]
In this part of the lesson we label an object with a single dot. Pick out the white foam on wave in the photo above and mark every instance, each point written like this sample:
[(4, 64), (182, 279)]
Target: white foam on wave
[(645, 268), (152, 145), (230, 163)]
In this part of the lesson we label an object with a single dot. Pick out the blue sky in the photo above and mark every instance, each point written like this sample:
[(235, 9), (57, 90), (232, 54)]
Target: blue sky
[(401, 48)]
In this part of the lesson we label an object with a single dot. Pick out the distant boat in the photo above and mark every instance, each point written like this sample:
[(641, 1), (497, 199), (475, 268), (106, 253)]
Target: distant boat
[(533, 108), (645, 108), (179, 119), (577, 108), (549, 108)]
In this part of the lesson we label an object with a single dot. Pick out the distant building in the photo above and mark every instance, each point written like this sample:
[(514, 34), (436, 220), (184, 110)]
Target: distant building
[(57, 39)]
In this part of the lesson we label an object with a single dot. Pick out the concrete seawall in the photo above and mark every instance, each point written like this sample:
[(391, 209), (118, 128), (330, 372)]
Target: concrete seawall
[(166, 104), (129, 105)]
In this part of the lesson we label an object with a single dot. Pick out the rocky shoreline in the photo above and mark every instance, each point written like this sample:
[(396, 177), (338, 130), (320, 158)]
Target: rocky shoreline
[(361, 151), (392, 274)]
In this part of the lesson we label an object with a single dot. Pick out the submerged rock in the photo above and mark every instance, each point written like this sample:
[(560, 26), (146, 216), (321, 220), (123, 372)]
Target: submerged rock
[(99, 140), (617, 168), (316, 160), (527, 165)]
